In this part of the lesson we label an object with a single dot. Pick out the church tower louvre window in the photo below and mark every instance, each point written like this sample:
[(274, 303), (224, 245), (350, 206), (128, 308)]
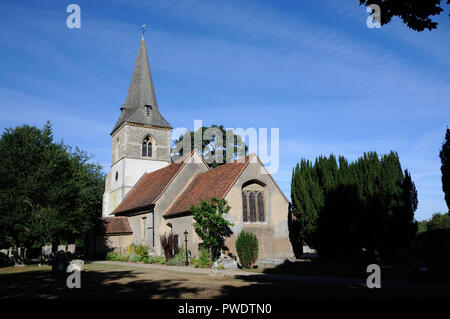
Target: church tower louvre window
[(147, 110), (147, 147)]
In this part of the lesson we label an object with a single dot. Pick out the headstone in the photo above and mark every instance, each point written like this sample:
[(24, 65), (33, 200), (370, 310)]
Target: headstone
[(229, 263), (62, 247), (4, 251), (10, 254), (18, 252), (60, 262), (47, 251), (215, 271), (71, 249), (76, 264)]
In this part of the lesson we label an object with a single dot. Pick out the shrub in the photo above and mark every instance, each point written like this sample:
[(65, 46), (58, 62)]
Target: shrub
[(179, 259), (203, 260), (160, 260), (112, 256), (141, 250), (167, 244), (136, 259), (247, 248)]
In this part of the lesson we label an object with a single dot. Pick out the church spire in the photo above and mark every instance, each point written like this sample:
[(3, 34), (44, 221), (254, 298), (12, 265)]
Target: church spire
[(140, 105)]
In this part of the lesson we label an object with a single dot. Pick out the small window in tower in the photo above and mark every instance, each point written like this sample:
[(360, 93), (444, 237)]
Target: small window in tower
[(117, 175), (147, 109)]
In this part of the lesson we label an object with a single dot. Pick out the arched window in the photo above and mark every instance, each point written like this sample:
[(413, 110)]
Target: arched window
[(147, 147), (253, 203)]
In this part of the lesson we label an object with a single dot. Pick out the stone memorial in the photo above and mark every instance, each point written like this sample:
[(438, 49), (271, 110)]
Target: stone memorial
[(47, 251), (71, 249), (76, 264), (62, 247), (229, 263), (60, 262)]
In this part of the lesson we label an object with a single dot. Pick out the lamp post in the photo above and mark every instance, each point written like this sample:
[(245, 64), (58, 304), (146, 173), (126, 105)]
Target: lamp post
[(185, 243)]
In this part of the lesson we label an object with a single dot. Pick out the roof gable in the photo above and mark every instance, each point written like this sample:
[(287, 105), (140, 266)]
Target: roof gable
[(152, 185), (213, 183), (148, 189)]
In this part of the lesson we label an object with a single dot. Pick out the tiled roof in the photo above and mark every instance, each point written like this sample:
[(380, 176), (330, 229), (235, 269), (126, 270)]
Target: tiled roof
[(116, 225), (212, 183), (148, 188)]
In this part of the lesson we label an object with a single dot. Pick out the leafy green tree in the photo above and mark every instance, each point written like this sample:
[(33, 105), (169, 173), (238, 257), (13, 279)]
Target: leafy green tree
[(434, 239), (415, 14), (48, 193), (445, 167), (210, 224), (211, 145)]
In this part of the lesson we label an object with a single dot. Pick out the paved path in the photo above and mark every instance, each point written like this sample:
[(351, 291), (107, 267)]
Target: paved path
[(405, 286)]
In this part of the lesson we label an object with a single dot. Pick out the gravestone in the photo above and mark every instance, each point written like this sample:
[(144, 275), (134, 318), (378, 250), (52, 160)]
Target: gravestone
[(60, 262), (47, 251), (76, 264), (215, 271), (71, 249), (62, 247), (229, 263), (10, 254)]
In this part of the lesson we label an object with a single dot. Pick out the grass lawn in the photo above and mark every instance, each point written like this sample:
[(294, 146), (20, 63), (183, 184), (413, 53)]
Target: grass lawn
[(117, 281)]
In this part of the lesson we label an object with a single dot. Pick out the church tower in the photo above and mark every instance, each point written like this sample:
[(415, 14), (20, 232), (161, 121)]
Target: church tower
[(140, 138)]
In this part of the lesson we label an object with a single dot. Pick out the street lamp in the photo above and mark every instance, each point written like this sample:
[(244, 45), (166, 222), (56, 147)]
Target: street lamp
[(185, 243)]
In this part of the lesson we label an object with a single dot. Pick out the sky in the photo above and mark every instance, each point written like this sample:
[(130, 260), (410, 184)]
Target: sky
[(313, 69)]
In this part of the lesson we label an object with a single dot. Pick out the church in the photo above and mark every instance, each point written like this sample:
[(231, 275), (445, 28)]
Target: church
[(148, 194)]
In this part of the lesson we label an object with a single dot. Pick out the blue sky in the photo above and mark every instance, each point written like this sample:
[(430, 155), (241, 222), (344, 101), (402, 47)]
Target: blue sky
[(310, 68)]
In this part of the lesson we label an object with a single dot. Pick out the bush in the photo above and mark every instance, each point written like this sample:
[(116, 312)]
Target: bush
[(112, 256), (203, 260), (178, 260), (247, 248), (168, 245), (141, 250), (138, 249), (160, 260), (136, 259)]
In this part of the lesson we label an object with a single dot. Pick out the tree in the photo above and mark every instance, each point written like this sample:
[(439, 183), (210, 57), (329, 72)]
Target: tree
[(415, 14), (445, 167), (210, 225), (48, 193), (434, 239), (211, 144), (347, 209)]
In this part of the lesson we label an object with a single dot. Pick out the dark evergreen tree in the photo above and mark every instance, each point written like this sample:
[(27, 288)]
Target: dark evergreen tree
[(350, 210), (48, 194), (445, 167)]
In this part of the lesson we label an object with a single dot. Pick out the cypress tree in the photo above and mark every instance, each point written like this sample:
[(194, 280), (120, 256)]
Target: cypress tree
[(345, 209), (445, 167)]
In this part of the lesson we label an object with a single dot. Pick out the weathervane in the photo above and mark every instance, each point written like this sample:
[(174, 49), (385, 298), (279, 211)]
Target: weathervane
[(143, 29)]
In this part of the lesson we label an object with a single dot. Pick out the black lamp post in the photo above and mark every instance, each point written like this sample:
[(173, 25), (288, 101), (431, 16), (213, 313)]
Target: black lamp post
[(185, 243)]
